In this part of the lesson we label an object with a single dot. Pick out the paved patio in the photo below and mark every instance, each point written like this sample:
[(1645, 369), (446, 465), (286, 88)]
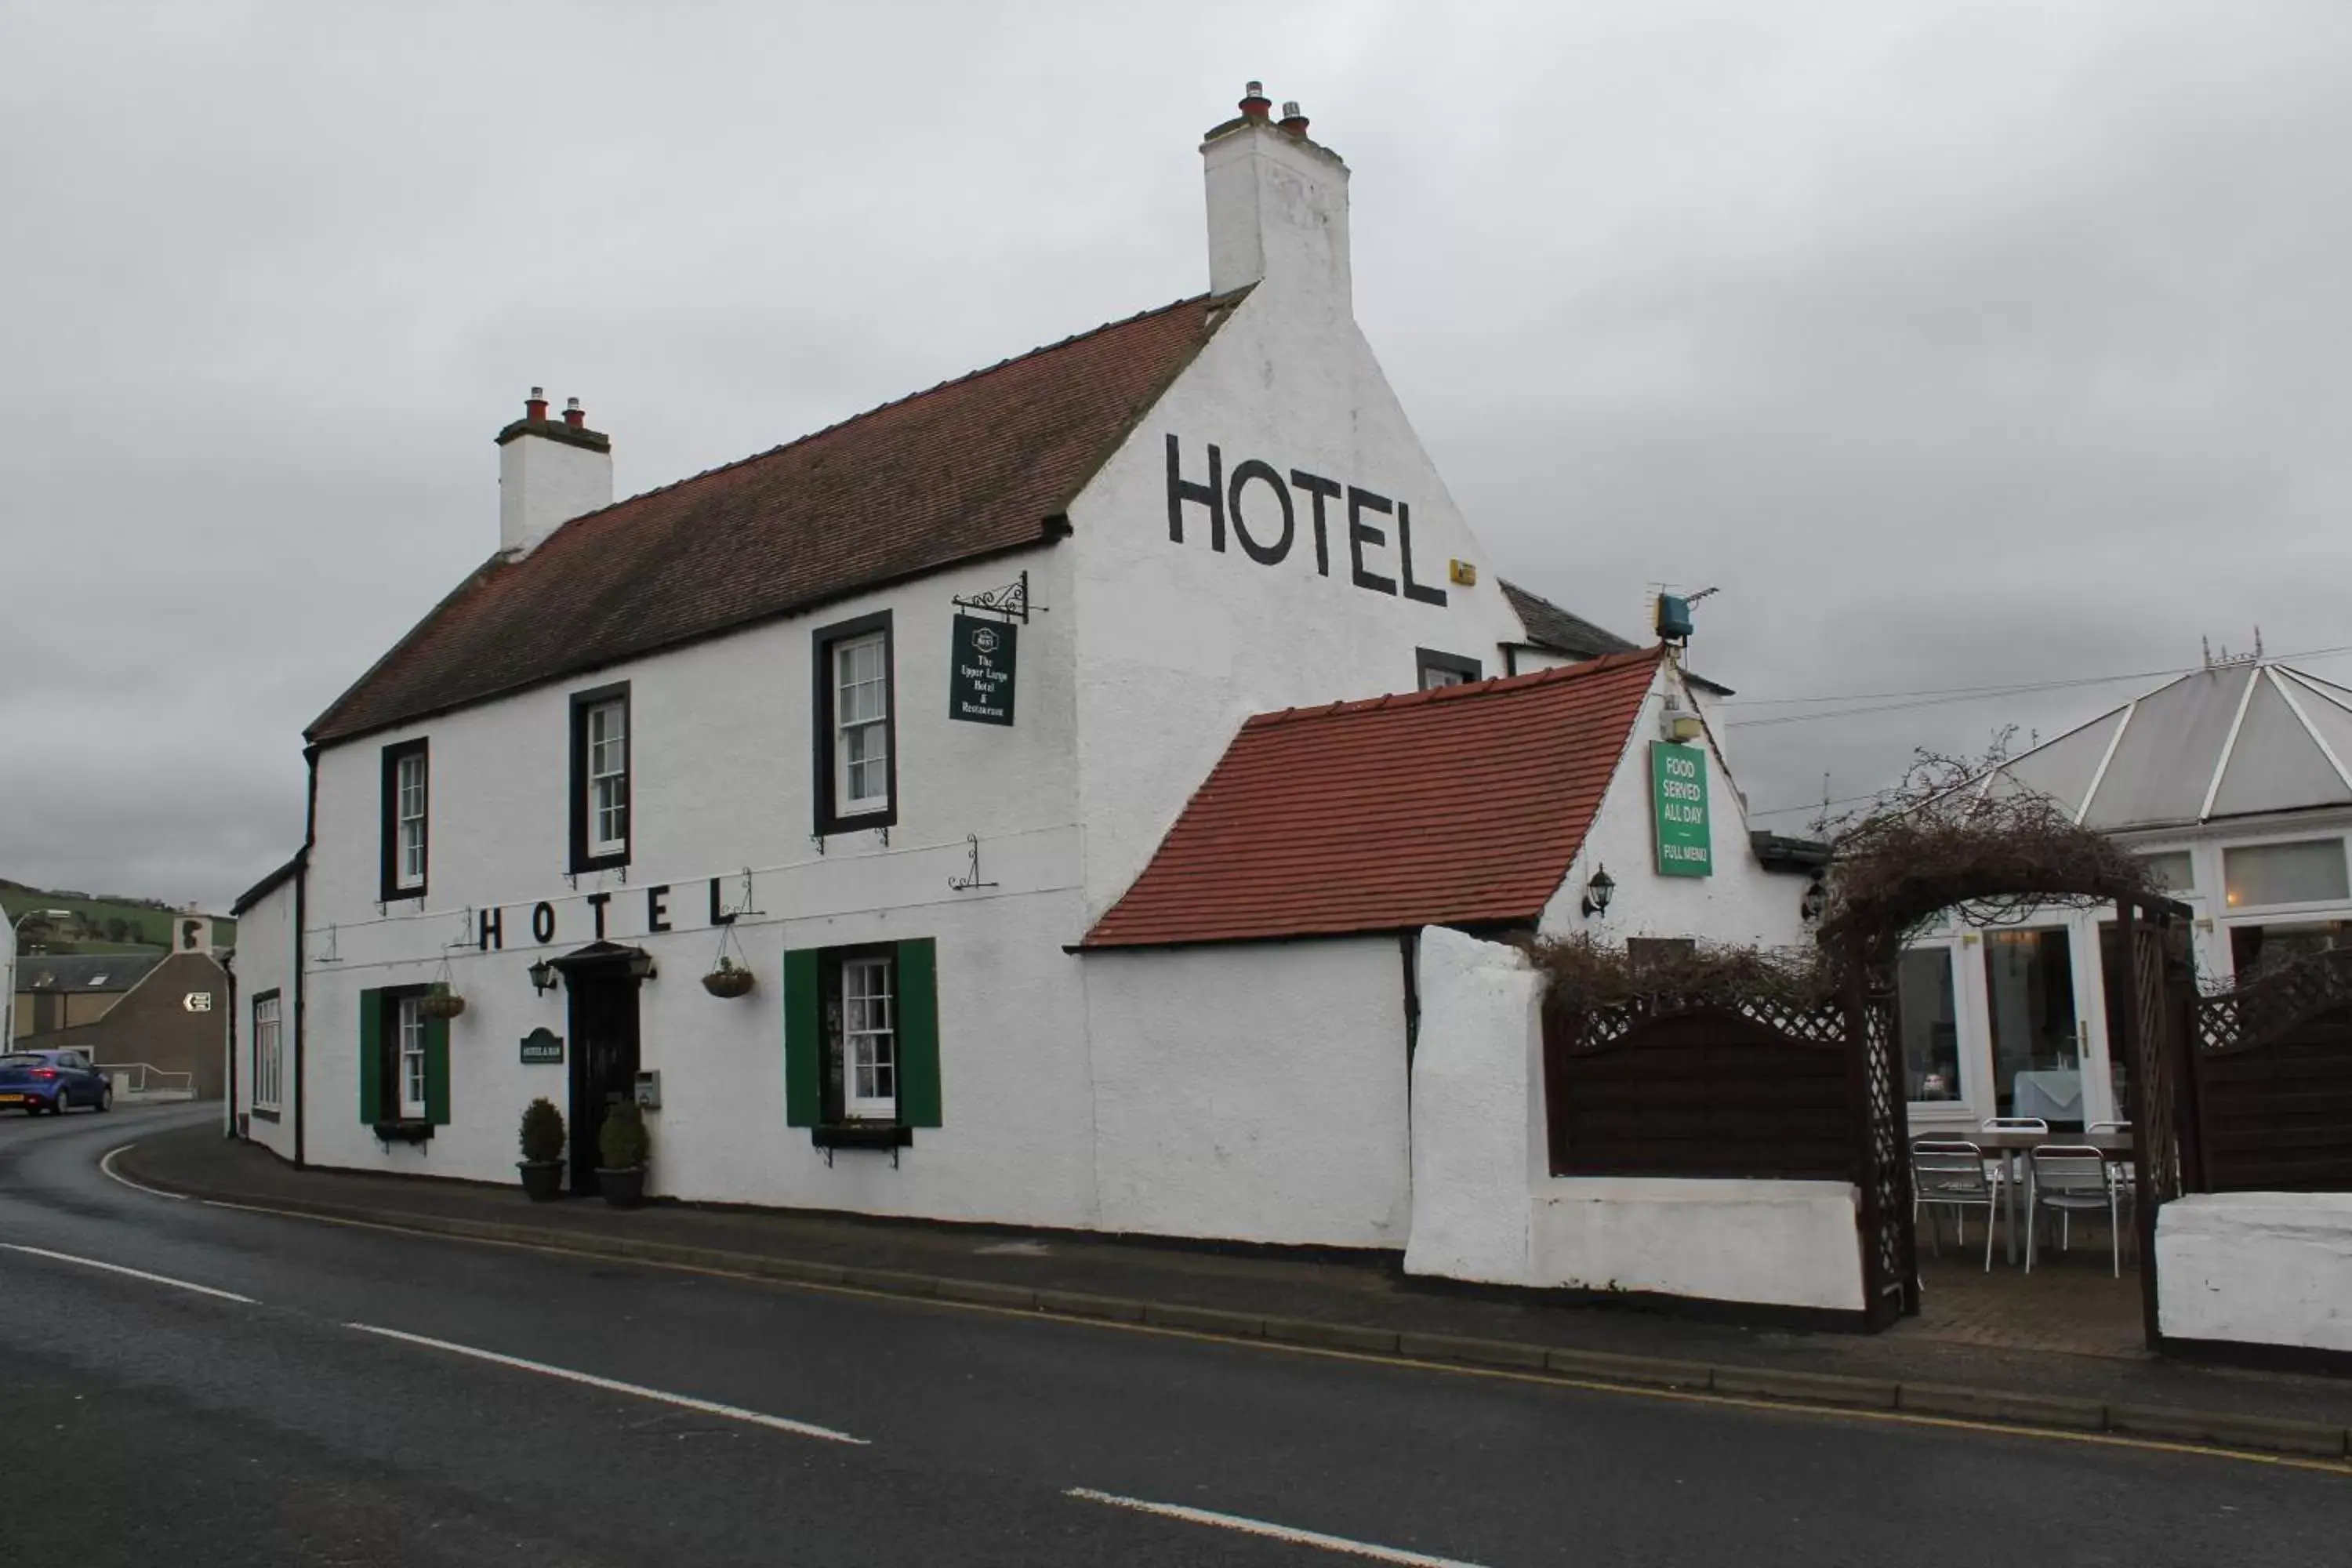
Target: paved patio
[(2072, 1302)]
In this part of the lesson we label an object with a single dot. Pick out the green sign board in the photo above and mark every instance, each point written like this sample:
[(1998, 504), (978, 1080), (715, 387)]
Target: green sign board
[(1678, 798), (979, 670), (542, 1044)]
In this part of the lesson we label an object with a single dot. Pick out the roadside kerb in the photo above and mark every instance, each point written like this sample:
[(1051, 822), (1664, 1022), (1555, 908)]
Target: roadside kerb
[(1825, 1390)]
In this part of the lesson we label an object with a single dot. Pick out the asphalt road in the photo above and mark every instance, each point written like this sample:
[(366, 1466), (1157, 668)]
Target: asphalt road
[(341, 1401)]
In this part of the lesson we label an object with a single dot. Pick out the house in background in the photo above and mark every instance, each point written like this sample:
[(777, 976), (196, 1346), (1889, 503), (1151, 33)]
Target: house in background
[(161, 1020), (64, 991), (2235, 783)]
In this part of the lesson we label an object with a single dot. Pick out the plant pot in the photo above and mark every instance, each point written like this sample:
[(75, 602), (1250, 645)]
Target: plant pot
[(729, 981), (541, 1179), (622, 1189), (441, 1005)]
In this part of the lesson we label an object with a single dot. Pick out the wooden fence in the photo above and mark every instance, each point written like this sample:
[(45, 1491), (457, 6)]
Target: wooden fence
[(1655, 1089), (1666, 1086), (2273, 1070)]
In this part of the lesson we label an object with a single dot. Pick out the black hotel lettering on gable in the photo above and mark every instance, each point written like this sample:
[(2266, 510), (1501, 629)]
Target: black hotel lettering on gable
[(1261, 485)]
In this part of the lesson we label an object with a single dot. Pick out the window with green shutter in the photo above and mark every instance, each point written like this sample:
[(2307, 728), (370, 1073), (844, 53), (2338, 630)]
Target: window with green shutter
[(404, 1066), (862, 1041)]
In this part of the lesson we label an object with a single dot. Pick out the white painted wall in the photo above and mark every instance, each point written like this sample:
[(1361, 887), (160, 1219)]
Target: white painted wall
[(1478, 1147), (1254, 1091), (1740, 903), (2271, 1269), (1486, 1207), (1277, 207), (264, 962), (721, 780), (1179, 643)]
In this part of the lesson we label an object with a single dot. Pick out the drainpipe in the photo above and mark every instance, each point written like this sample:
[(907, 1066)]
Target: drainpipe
[(301, 922), (228, 967)]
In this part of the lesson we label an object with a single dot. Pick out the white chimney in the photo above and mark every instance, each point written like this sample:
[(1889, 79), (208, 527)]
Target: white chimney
[(1277, 207), (549, 473)]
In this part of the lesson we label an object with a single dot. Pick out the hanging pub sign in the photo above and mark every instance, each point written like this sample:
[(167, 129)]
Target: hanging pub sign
[(979, 670), (1678, 797), (542, 1044)]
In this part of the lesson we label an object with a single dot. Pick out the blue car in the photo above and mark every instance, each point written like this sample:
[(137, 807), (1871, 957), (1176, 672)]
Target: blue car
[(52, 1080)]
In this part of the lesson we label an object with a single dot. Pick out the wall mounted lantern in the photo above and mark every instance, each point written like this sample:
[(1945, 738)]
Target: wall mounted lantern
[(1597, 892), (1816, 899), (641, 965), (542, 977)]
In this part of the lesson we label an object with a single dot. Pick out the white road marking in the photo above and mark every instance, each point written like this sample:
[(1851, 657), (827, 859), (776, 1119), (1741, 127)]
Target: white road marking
[(133, 1273), (1340, 1543), (106, 1168), (687, 1401)]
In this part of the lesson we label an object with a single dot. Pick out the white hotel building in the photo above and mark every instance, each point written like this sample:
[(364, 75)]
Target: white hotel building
[(904, 716)]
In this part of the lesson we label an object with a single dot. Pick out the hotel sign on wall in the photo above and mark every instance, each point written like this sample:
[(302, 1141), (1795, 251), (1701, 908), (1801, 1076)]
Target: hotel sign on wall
[(1678, 800), (979, 670)]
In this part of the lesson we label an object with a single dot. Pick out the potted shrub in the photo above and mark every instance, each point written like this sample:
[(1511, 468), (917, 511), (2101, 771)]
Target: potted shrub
[(622, 1144), (441, 1003), (730, 979), (542, 1151)]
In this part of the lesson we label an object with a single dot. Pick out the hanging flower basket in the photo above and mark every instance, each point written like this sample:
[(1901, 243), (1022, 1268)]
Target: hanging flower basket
[(730, 979), (441, 1003)]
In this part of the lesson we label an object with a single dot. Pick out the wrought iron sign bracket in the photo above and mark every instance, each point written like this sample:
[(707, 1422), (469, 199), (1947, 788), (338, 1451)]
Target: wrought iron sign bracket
[(970, 880), (728, 916), (1012, 601)]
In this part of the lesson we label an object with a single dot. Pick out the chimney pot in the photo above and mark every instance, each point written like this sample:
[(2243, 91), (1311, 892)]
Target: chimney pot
[(1292, 121), (574, 414), (534, 408), (1255, 103)]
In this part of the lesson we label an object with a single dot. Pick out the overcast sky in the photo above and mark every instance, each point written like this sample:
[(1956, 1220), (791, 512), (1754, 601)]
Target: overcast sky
[(1957, 343)]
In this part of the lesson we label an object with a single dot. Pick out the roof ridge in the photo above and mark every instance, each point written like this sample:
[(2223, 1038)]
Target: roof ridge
[(1583, 668), (847, 420), (2319, 685)]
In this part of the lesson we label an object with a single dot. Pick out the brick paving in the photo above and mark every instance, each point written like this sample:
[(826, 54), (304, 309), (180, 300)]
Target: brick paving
[(2071, 1303)]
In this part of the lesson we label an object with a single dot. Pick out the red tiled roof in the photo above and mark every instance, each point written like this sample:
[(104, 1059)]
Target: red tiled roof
[(971, 467), (1463, 805)]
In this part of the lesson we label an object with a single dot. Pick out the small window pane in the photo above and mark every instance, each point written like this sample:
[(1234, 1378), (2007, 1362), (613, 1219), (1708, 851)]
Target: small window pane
[(861, 713), (2173, 870), (1925, 1010), (2309, 872), (412, 1057), (2257, 951), (608, 770)]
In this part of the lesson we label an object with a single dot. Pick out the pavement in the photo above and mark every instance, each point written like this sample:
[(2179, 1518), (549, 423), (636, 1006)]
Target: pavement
[(1962, 1357), (208, 1385)]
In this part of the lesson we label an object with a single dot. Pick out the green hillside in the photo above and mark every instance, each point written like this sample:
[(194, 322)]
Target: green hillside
[(102, 922)]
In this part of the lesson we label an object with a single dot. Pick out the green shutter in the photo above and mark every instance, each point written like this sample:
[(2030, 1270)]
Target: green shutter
[(918, 1034), (371, 1057), (437, 1071), (804, 1040)]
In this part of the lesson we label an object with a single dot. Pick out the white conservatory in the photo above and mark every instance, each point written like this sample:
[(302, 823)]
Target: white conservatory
[(2233, 782)]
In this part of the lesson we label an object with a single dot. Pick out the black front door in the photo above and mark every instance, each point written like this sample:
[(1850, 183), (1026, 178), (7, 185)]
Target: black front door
[(604, 1057)]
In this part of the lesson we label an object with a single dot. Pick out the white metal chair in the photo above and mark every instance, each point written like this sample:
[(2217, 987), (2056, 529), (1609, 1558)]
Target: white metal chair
[(2069, 1178), (1952, 1175), (2124, 1171)]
